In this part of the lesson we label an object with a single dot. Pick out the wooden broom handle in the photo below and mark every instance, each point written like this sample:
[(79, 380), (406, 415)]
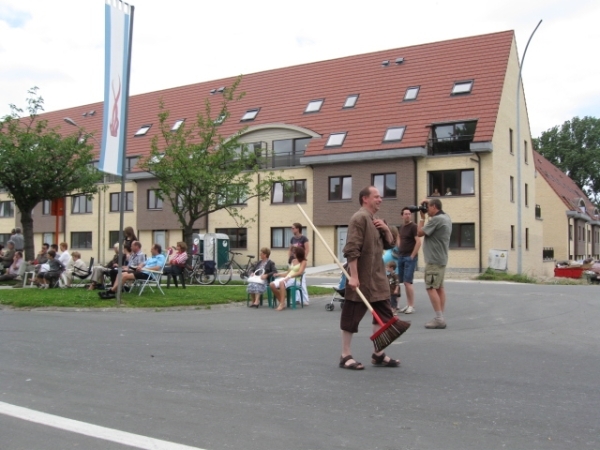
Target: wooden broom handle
[(337, 261)]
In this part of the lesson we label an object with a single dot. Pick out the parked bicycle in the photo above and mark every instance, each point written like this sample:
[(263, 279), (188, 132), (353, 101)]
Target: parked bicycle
[(225, 273), (196, 272)]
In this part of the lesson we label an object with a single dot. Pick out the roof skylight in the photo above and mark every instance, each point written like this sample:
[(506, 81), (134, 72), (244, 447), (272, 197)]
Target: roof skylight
[(351, 101), (462, 87), (394, 134), (177, 124), (142, 131), (314, 106), (411, 93), (336, 139), (250, 114)]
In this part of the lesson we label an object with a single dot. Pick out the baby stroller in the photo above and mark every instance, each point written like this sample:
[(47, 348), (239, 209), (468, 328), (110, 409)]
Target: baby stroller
[(338, 293)]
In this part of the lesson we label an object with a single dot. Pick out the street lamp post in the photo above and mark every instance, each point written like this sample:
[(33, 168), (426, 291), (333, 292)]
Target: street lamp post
[(519, 200)]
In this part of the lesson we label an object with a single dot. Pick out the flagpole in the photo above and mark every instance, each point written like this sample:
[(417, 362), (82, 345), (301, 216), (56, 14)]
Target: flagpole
[(123, 161)]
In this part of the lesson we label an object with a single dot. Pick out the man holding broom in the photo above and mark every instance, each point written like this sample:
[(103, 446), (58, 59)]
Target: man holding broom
[(367, 237)]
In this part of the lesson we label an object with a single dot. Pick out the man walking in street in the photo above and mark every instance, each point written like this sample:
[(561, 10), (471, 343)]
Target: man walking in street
[(410, 243), (367, 237), (436, 242)]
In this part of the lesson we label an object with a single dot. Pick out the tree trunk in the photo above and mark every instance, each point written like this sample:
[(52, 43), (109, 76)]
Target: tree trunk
[(27, 225)]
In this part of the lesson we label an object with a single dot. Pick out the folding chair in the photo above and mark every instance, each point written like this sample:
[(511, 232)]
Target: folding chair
[(80, 276), (152, 280)]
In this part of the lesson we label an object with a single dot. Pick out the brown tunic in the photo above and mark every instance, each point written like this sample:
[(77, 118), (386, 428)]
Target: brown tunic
[(364, 242)]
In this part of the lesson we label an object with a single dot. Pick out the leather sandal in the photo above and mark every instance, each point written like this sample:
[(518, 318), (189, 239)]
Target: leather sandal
[(380, 361), (354, 366)]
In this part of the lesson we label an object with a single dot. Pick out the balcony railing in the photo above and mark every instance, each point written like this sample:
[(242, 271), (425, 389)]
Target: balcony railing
[(446, 146)]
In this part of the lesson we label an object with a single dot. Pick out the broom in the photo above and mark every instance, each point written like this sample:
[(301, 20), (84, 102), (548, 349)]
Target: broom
[(389, 331)]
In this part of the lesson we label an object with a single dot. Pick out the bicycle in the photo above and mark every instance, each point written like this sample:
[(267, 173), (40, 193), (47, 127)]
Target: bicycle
[(225, 273), (196, 272)]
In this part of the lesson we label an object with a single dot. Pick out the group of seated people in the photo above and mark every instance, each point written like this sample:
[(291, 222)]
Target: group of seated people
[(135, 266), (47, 267), (265, 268)]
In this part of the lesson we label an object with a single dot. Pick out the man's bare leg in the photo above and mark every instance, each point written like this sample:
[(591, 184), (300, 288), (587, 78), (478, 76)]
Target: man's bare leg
[(410, 294)]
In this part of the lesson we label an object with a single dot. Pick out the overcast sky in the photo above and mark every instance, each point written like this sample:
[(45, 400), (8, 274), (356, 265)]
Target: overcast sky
[(59, 45)]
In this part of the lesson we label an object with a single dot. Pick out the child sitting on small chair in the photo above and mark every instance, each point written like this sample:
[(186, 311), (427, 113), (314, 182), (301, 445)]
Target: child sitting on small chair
[(394, 282)]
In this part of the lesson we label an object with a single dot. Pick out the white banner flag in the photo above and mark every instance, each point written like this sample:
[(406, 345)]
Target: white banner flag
[(119, 17)]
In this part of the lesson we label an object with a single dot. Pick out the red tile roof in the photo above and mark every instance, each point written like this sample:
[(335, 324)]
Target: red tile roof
[(565, 187), (283, 94)]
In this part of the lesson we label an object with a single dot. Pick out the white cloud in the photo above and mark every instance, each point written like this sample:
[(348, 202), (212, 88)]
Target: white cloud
[(60, 48)]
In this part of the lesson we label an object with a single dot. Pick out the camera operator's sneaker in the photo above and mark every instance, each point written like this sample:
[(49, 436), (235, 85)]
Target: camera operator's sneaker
[(403, 310), (409, 310), (436, 324)]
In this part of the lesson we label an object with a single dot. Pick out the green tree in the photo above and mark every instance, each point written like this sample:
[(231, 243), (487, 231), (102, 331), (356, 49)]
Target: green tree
[(574, 148), (37, 163), (199, 171)]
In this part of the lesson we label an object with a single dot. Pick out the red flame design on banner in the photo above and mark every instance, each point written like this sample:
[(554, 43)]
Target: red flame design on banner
[(114, 123)]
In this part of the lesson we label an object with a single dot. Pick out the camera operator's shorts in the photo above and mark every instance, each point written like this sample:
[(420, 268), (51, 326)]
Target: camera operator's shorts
[(434, 276), (353, 312)]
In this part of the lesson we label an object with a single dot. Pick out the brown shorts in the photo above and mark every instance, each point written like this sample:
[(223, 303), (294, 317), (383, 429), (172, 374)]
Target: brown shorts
[(353, 312)]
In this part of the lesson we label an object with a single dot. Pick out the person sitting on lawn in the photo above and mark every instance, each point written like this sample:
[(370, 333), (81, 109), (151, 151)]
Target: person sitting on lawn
[(156, 262), (13, 270), (55, 268), (7, 257)]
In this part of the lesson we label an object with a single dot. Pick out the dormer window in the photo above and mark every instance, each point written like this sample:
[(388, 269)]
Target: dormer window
[(336, 139), (462, 87), (142, 131), (250, 115), (314, 106), (351, 101), (411, 93), (394, 134)]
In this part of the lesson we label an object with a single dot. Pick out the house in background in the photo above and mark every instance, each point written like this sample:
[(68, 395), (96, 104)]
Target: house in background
[(571, 222), (413, 121)]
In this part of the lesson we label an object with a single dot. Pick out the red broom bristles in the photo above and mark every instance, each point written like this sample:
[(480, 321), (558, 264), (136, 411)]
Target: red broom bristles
[(388, 333)]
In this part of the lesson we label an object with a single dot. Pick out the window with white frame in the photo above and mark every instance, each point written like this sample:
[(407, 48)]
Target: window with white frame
[(46, 207)]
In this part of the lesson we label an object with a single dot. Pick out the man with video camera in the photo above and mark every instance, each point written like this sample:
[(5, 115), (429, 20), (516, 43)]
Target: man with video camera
[(436, 241)]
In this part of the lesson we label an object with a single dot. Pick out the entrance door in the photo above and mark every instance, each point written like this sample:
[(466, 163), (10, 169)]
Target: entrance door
[(342, 233)]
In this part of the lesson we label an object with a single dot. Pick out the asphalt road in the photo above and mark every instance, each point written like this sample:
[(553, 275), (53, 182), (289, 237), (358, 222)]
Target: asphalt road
[(517, 368)]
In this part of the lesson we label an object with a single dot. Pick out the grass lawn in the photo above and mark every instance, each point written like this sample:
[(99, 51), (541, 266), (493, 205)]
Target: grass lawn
[(200, 296)]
